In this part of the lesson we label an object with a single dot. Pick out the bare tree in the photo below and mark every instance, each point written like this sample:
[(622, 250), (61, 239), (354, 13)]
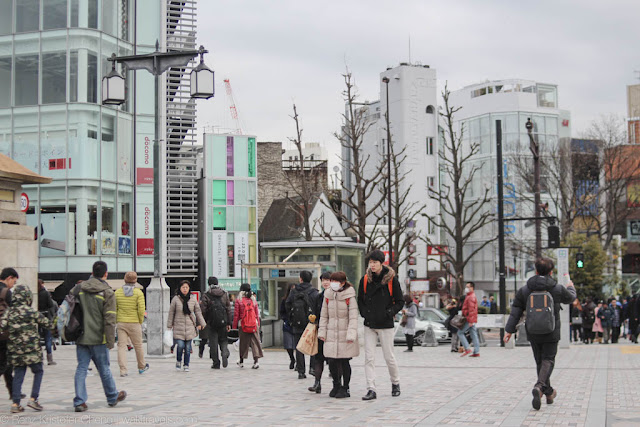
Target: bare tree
[(360, 200), (461, 215), (301, 204), (619, 163)]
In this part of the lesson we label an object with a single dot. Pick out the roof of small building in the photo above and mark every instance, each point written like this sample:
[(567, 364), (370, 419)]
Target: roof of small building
[(282, 221), (10, 169)]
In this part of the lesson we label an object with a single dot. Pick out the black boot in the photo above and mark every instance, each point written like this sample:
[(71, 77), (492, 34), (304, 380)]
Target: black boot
[(336, 387), (342, 393), (315, 387), (395, 390)]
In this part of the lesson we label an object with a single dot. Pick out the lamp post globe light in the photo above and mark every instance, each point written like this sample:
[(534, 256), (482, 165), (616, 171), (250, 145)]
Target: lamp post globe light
[(113, 93), (113, 86), (202, 86)]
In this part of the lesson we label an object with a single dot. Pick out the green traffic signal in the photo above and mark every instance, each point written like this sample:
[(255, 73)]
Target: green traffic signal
[(580, 260)]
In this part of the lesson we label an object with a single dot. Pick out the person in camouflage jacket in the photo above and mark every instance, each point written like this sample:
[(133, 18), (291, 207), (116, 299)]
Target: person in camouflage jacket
[(23, 347)]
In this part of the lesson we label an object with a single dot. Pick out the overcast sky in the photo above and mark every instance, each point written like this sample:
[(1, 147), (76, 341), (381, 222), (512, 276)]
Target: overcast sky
[(277, 52)]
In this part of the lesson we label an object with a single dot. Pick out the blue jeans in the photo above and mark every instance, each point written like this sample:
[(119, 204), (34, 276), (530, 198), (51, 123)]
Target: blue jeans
[(474, 337), (48, 338), (183, 345), (100, 356), (18, 378)]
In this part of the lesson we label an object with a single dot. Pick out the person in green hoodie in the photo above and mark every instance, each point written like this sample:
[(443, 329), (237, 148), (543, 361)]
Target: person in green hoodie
[(98, 303)]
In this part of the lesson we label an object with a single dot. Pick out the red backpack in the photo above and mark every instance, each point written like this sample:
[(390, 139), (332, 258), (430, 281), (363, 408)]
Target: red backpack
[(249, 321)]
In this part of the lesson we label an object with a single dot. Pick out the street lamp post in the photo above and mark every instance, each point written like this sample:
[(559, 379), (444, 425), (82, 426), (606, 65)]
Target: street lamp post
[(113, 93), (385, 80), (535, 150), (514, 252), (501, 260)]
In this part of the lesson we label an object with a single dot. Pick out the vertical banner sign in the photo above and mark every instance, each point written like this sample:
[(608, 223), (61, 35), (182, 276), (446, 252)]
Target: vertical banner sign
[(219, 258), (144, 223), (144, 161), (252, 157), (241, 241), (562, 255), (229, 156)]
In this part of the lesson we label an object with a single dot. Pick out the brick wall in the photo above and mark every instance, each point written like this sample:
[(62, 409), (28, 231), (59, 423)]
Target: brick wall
[(272, 181)]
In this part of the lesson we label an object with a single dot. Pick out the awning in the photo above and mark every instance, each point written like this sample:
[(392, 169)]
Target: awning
[(115, 284)]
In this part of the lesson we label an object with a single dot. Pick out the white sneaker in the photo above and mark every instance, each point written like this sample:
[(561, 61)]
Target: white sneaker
[(178, 366), (186, 368), (239, 363), (255, 365)]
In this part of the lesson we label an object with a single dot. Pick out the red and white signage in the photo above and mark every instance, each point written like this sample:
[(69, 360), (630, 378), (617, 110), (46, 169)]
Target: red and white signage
[(437, 250), (24, 202)]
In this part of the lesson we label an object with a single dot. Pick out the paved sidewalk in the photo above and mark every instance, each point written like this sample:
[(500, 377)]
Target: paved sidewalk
[(597, 385)]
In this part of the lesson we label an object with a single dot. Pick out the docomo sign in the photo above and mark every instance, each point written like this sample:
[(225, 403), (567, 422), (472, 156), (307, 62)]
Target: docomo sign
[(144, 175)]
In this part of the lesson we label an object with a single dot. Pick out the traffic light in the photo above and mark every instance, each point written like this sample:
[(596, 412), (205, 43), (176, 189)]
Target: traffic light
[(580, 260), (553, 235)]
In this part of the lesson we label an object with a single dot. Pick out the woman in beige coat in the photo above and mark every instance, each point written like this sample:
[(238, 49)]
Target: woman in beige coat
[(339, 331), (185, 318)]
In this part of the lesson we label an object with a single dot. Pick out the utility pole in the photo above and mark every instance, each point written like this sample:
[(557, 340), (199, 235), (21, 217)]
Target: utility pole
[(535, 150), (386, 81), (501, 262)]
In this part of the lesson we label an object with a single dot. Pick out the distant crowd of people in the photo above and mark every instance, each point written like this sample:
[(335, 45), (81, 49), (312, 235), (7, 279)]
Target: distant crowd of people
[(605, 321)]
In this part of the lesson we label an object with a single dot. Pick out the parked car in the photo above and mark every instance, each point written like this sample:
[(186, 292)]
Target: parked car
[(427, 316)]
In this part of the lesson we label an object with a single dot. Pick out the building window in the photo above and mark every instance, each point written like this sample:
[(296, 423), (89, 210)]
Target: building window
[(547, 96), (5, 81), (431, 182), (430, 109), (218, 191), (220, 218), (430, 149), (26, 80), (92, 21), (92, 78), (229, 156), (54, 14), (54, 78), (230, 193), (431, 227), (27, 15), (6, 17)]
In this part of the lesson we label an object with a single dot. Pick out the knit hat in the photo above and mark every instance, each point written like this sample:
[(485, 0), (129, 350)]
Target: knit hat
[(130, 277), (213, 281)]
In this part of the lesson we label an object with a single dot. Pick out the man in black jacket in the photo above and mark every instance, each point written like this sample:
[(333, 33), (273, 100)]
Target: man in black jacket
[(544, 346), (379, 300), (300, 304)]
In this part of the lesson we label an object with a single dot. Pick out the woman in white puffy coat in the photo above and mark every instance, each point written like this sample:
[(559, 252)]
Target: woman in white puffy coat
[(339, 331)]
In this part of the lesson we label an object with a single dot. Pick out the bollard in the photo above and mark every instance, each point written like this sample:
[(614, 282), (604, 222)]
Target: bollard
[(158, 301), (429, 338)]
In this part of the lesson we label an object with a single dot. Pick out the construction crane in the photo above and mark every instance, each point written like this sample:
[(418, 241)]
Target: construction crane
[(232, 108)]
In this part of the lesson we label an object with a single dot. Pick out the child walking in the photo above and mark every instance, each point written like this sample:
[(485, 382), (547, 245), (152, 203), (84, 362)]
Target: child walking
[(23, 345)]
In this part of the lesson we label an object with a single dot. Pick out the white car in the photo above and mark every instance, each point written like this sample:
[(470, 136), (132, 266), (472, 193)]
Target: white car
[(427, 316)]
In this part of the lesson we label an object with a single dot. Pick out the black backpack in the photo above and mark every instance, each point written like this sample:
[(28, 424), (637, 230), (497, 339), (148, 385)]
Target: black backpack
[(217, 313), (541, 317), (300, 310)]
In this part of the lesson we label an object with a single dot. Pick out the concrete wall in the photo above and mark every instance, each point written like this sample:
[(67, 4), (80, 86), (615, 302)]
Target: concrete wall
[(19, 249)]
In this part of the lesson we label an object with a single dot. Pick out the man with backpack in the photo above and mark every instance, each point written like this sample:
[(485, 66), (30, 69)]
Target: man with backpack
[(98, 303), (216, 309), (380, 298), (540, 298), (300, 306)]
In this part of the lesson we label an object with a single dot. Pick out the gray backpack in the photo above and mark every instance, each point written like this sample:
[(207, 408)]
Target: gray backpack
[(541, 317)]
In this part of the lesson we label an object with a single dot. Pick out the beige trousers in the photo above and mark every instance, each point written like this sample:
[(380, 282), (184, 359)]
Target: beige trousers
[(126, 332), (371, 337)]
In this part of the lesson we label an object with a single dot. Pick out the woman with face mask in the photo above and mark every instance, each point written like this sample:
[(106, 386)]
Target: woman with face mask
[(318, 359), (339, 331)]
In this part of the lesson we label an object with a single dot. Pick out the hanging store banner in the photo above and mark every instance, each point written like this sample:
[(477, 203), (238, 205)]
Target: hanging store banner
[(144, 160), (241, 241), (219, 259), (144, 223)]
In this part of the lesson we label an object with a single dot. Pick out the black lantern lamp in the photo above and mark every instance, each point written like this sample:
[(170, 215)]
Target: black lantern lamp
[(202, 79), (113, 86)]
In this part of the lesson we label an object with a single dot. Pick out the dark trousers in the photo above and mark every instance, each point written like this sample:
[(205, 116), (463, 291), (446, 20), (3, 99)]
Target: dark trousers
[(587, 335), (409, 341), (545, 355), (218, 338), (340, 372), (300, 366), (318, 361), (18, 379), (615, 334), (5, 369)]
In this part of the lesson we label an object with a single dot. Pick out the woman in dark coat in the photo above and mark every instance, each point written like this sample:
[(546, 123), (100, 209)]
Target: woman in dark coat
[(453, 308), (287, 332)]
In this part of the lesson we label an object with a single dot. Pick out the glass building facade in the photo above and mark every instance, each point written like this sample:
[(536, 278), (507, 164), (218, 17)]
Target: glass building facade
[(53, 55), (231, 207)]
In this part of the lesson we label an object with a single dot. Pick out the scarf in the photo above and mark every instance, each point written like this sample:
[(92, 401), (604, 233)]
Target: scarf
[(185, 299)]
